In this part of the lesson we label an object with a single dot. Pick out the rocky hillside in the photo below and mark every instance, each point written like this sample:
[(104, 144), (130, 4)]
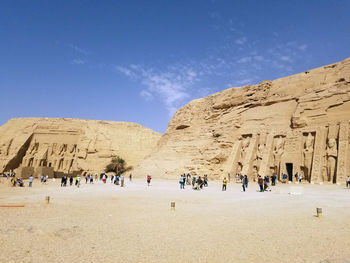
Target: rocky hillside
[(71, 145), (271, 127)]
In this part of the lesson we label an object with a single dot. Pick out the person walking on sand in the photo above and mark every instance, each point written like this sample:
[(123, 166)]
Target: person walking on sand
[(71, 181), (243, 184), (261, 183), (348, 182), (224, 183), (245, 181), (112, 176), (30, 180), (182, 182), (265, 183), (78, 181), (205, 179), (148, 179), (130, 177), (199, 183), (62, 181), (116, 181), (273, 179), (300, 177), (122, 180), (188, 181)]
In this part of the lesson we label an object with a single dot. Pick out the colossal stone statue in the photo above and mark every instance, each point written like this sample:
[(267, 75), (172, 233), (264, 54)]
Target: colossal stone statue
[(307, 156), (259, 155), (277, 154), (331, 154), (30, 154), (245, 145)]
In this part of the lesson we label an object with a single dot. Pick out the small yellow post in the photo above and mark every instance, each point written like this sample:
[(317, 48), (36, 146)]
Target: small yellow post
[(172, 205), (319, 211), (47, 199)]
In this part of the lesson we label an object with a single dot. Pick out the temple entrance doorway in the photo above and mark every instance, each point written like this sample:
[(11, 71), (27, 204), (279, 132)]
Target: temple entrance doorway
[(289, 168)]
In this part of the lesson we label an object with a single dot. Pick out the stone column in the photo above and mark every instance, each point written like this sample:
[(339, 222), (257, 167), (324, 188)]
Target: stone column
[(342, 152), (319, 153)]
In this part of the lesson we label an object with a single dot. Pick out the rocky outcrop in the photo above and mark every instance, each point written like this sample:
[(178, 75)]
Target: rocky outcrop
[(294, 124), (68, 146)]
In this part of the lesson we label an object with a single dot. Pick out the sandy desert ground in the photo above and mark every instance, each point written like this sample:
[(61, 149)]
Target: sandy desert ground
[(107, 223)]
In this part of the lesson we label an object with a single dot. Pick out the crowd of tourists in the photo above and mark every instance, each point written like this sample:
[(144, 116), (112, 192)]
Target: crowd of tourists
[(193, 181), (196, 182)]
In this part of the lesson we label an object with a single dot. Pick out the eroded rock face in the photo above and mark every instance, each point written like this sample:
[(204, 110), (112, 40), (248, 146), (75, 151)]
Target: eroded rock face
[(68, 146), (294, 124)]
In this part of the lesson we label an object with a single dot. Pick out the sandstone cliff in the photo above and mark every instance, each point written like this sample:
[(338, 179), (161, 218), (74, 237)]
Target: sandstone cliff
[(68, 146), (294, 124)]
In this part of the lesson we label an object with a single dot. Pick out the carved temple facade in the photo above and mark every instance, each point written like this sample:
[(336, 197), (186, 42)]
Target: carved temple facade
[(320, 154), (57, 147)]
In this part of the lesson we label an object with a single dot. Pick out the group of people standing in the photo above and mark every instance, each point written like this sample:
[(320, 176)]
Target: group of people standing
[(264, 183), (64, 180), (239, 179), (197, 182)]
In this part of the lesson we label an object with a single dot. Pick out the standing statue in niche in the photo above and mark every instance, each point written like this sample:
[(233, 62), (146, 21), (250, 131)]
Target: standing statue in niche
[(259, 155), (308, 154), (277, 154), (331, 154), (245, 145)]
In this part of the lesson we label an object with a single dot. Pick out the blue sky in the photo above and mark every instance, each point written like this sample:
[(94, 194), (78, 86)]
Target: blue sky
[(139, 61)]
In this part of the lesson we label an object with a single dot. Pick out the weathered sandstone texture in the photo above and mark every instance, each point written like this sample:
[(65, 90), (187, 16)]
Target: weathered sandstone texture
[(69, 146), (294, 124)]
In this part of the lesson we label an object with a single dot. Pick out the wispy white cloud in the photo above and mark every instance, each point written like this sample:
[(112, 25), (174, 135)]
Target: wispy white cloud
[(238, 62), (78, 62), (245, 81), (241, 41), (302, 47), (172, 85), (245, 59), (259, 58), (146, 95), (286, 58), (126, 71), (78, 49)]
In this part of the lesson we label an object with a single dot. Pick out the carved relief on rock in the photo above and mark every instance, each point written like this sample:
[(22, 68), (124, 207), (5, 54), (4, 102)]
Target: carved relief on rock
[(28, 159), (243, 151), (308, 152), (278, 150), (69, 157), (5, 148), (261, 150), (331, 155)]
